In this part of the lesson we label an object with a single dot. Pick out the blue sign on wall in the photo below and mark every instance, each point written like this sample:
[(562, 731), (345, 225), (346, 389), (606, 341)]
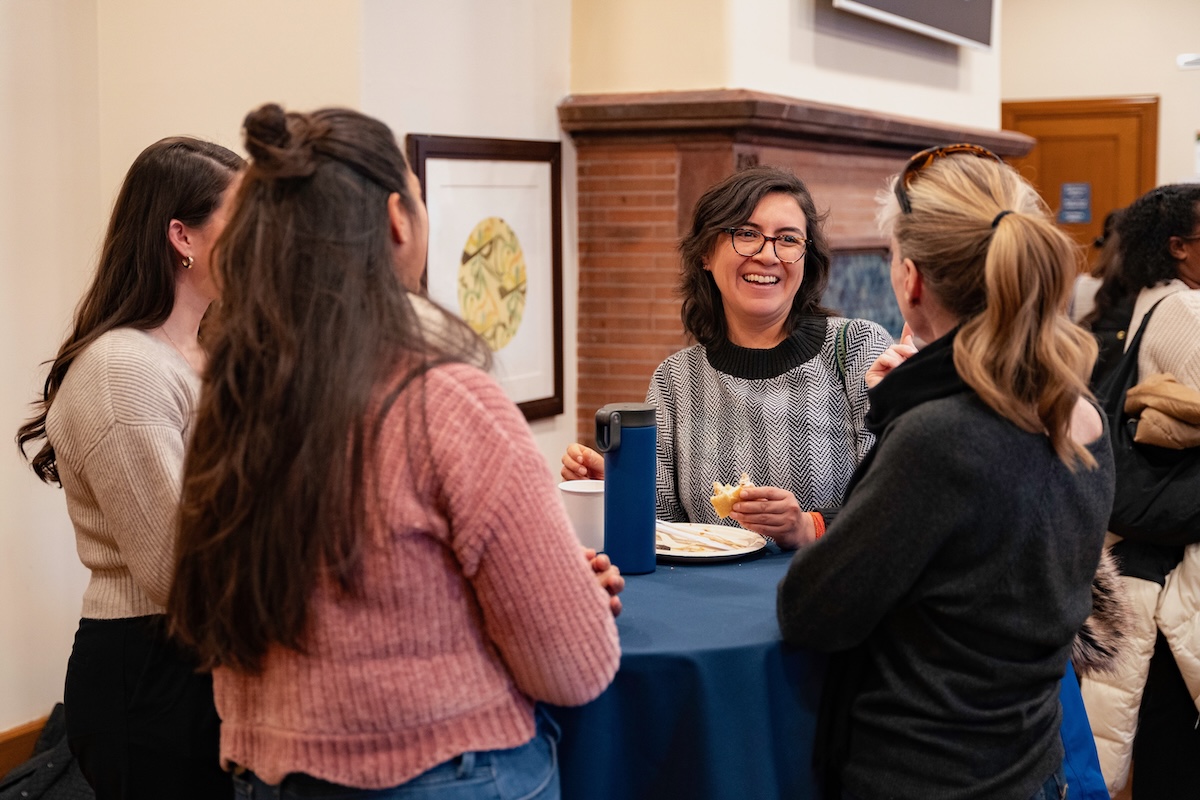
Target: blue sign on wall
[(1075, 203)]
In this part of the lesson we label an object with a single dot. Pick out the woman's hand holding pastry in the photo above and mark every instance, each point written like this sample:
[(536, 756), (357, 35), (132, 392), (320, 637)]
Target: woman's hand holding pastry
[(581, 462), (771, 511), (609, 576), (891, 358)]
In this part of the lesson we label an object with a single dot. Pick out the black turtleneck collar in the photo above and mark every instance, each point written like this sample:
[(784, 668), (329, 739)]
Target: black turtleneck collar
[(763, 364), (928, 375)]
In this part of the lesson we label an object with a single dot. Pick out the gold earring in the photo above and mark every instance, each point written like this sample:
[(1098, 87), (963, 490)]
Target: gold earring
[(187, 262)]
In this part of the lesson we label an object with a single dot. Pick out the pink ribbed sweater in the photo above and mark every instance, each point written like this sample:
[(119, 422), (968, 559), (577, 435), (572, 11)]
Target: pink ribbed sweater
[(476, 602)]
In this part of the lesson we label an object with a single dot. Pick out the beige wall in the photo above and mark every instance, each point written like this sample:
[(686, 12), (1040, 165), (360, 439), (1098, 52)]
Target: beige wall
[(84, 86), (180, 67), (635, 46), (49, 227), (1110, 48)]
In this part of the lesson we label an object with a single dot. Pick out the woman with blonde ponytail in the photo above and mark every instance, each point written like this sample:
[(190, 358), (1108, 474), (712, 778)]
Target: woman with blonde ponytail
[(953, 582)]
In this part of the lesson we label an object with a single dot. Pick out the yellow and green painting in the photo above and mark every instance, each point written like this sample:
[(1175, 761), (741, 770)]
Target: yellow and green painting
[(491, 282)]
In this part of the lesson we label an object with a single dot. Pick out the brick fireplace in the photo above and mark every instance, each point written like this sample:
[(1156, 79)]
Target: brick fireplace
[(644, 159)]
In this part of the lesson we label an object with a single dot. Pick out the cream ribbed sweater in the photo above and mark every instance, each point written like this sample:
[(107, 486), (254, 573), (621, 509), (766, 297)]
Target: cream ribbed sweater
[(118, 425), (1172, 342), (476, 602)]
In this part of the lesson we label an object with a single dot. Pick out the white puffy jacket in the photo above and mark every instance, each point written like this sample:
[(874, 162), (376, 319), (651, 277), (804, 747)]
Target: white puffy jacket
[(1113, 699)]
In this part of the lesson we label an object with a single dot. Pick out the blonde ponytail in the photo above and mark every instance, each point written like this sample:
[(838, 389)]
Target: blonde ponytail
[(988, 250)]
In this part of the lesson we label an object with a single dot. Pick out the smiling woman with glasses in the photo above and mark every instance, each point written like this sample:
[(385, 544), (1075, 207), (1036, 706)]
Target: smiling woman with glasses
[(748, 242), (775, 385)]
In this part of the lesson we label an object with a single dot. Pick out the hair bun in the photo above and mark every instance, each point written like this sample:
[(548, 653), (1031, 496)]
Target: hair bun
[(280, 143)]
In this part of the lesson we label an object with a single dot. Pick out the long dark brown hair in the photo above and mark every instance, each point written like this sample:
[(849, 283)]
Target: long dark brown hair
[(731, 203), (134, 286), (313, 321)]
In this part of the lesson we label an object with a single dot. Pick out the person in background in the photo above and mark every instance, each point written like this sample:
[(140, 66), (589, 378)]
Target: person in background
[(1101, 303), (1147, 712), (115, 416), (373, 557), (953, 581), (774, 386)]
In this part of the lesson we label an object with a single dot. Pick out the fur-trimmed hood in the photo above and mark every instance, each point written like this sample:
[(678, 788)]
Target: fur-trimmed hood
[(1097, 646)]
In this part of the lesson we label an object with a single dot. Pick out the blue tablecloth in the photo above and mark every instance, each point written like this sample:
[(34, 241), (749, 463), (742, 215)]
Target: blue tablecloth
[(708, 702)]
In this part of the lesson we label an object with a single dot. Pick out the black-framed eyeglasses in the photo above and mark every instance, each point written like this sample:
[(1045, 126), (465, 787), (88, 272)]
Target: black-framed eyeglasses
[(748, 242), (926, 157)]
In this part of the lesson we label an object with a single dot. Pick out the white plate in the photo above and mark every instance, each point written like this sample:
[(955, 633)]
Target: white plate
[(749, 542)]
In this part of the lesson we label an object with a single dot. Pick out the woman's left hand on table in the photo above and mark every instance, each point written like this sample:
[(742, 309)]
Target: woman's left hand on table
[(771, 511), (609, 576)]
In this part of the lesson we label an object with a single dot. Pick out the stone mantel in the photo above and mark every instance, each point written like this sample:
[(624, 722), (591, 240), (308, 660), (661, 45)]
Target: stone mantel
[(642, 161), (748, 116)]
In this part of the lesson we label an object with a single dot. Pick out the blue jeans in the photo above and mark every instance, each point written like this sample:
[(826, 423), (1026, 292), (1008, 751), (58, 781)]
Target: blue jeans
[(528, 772), (1055, 787)]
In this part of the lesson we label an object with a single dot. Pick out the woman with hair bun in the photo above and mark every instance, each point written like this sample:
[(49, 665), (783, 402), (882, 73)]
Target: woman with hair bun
[(373, 555), (115, 416), (953, 581)]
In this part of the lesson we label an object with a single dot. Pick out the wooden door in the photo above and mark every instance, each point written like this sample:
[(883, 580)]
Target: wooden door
[(1091, 156)]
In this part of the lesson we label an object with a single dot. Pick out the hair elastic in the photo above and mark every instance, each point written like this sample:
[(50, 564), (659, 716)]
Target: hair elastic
[(1000, 216)]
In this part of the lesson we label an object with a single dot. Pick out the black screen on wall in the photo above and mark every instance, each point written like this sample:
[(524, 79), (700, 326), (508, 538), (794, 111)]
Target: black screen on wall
[(966, 22)]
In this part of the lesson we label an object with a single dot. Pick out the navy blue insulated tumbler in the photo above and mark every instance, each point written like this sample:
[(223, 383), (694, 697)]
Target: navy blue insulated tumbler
[(627, 434)]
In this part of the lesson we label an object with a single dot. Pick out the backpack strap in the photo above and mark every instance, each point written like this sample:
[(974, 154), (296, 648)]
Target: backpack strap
[(840, 350), (1111, 391)]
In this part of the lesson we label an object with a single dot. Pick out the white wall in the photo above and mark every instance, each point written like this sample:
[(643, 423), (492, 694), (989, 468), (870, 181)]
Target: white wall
[(798, 48), (816, 52), (84, 86), (493, 70), (1110, 48)]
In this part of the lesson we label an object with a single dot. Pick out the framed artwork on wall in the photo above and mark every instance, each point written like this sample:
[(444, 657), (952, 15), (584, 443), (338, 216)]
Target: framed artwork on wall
[(495, 253)]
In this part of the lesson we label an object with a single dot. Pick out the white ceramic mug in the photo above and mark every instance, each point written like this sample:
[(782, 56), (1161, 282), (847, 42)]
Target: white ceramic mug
[(585, 508)]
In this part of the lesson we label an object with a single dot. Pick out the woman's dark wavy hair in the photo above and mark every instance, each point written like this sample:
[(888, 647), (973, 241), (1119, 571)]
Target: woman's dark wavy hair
[(313, 322), (178, 178), (1143, 232), (731, 203)]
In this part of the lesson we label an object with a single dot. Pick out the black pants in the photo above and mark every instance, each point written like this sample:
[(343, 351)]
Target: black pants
[(140, 719), (1166, 751)]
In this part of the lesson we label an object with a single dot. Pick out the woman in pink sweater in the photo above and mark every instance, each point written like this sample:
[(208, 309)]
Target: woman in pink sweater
[(373, 555)]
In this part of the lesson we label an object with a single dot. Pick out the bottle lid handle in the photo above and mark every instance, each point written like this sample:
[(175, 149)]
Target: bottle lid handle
[(608, 430)]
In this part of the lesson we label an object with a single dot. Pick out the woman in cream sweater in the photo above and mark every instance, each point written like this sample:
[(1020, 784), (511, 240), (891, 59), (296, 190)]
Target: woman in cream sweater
[(115, 417)]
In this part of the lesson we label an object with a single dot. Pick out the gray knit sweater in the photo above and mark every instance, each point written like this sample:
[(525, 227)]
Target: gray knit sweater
[(787, 416), (118, 425)]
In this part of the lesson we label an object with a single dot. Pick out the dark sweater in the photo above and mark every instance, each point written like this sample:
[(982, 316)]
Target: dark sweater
[(954, 579)]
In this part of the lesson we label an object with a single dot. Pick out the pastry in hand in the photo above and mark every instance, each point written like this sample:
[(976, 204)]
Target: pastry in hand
[(725, 495)]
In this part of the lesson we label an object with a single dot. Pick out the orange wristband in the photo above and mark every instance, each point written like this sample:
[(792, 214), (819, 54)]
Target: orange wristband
[(818, 524)]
